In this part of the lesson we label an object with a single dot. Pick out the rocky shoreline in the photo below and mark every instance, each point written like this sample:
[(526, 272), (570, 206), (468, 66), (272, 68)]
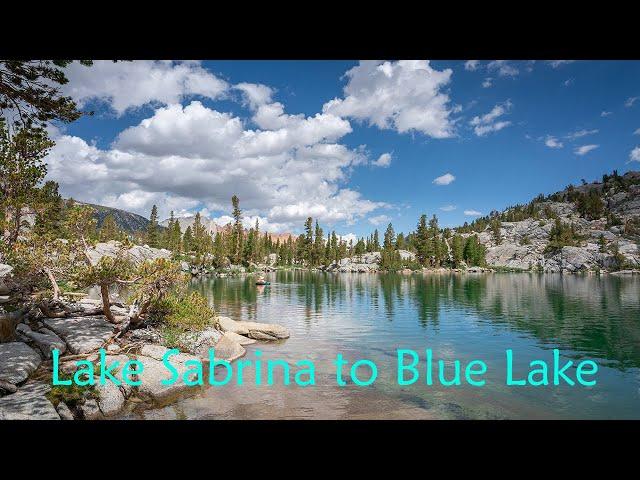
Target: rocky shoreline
[(26, 365)]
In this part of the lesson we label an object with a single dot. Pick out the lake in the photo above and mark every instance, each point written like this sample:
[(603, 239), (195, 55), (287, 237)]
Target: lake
[(459, 316)]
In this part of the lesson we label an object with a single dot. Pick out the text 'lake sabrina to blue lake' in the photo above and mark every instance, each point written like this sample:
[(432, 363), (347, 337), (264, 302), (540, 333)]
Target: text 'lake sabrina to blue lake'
[(459, 318)]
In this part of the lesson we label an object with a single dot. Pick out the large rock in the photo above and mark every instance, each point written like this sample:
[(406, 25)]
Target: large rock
[(45, 340), (5, 271), (228, 349), (229, 325), (82, 334), (110, 398), (17, 361), (270, 329), (242, 340), (513, 256), (137, 254), (155, 371), (28, 403)]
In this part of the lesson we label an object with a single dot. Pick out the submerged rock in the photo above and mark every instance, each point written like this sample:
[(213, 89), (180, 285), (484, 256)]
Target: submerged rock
[(155, 371), (28, 403), (271, 329), (82, 334), (242, 340), (228, 349), (17, 361), (229, 325)]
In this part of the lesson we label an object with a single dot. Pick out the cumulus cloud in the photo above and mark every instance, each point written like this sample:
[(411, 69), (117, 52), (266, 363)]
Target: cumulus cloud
[(630, 101), (553, 142), (487, 83), (637, 132), (485, 124), (404, 96), (383, 160), (568, 82), (448, 208), (471, 65), (472, 213), (584, 149), (605, 113), (445, 179), (379, 220), (186, 157), (503, 68), (255, 94), (126, 85), (349, 237), (634, 156)]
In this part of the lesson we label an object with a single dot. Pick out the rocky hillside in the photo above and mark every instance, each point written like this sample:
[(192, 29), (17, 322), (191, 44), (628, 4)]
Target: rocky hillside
[(187, 221), (599, 229), (126, 221)]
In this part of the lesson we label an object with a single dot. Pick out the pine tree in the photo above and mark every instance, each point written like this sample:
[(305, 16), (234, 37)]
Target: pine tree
[(389, 258), (421, 240), (238, 232), (109, 229), (318, 246), (375, 242), (187, 240), (153, 237), (307, 248)]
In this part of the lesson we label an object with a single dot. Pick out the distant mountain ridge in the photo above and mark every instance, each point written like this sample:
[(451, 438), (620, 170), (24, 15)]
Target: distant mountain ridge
[(126, 221)]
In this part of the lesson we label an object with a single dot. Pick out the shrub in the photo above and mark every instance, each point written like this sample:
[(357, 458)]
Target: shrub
[(183, 312)]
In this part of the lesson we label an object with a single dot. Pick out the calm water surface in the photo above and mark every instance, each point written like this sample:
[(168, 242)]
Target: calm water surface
[(461, 317)]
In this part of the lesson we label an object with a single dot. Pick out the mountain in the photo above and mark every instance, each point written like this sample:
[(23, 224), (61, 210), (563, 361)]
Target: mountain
[(589, 227), (187, 221), (126, 221)]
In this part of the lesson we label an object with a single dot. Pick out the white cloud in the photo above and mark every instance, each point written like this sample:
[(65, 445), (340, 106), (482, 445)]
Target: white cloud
[(487, 83), (634, 156), (125, 85), (637, 132), (379, 220), (383, 160), (471, 65), (448, 208), (503, 68), (568, 82), (472, 213), (255, 94), (445, 179), (553, 142), (559, 63), (581, 133), (584, 149), (482, 125), (630, 101), (186, 157), (404, 96), (605, 113), (349, 237)]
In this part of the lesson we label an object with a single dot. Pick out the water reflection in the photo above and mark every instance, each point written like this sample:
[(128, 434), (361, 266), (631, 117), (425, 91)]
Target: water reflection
[(590, 315)]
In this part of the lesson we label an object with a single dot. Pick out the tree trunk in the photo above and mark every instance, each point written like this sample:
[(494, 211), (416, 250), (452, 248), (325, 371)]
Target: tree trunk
[(54, 283), (106, 304)]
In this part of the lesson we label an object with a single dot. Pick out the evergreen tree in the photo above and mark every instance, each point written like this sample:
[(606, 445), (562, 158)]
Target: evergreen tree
[(457, 250), (496, 225), (237, 232), (389, 258), (153, 236), (421, 241), (187, 240), (109, 229), (22, 168)]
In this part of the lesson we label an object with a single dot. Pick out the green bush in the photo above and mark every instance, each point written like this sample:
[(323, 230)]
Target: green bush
[(181, 312)]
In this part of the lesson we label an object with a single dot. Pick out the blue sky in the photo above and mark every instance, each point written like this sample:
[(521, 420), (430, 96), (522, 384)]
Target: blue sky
[(187, 135)]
